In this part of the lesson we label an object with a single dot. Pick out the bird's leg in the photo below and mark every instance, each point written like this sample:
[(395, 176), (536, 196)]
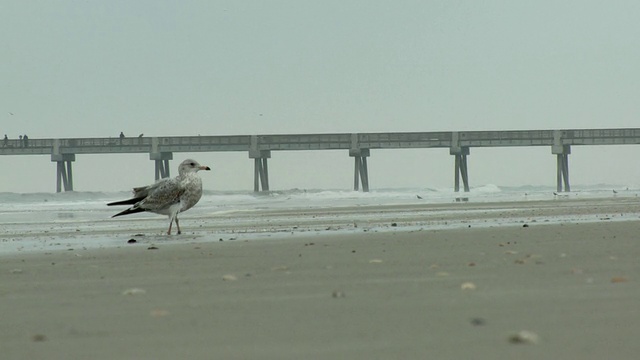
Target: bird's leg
[(171, 218), (178, 225)]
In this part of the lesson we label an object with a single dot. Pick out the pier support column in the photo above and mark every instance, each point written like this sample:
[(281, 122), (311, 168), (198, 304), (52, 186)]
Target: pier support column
[(361, 172), (562, 175), (261, 170), (461, 168), (64, 173), (162, 163), (260, 165)]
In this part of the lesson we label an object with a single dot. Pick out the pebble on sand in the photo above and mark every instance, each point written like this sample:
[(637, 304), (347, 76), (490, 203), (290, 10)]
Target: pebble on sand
[(39, 338)]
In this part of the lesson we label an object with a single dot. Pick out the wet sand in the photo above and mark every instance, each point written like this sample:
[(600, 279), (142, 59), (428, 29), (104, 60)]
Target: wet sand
[(413, 294)]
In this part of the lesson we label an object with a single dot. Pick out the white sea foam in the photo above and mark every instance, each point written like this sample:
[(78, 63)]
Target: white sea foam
[(74, 216)]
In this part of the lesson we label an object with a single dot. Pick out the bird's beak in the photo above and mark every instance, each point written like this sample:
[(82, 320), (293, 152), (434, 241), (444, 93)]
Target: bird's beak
[(204, 168)]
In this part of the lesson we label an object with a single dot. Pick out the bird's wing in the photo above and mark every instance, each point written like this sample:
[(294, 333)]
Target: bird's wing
[(143, 191), (161, 195)]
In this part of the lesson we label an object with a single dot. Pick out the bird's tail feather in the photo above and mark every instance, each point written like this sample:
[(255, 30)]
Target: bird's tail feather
[(131, 210), (126, 202)]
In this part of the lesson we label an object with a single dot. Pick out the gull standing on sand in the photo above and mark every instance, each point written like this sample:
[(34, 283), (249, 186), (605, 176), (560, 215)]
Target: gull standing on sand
[(168, 196)]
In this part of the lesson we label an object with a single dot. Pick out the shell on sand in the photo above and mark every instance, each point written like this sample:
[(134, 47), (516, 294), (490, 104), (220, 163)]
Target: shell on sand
[(524, 337), (134, 291), (468, 286)]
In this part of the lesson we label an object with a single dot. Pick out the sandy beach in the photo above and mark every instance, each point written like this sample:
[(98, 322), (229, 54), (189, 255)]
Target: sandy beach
[(534, 288)]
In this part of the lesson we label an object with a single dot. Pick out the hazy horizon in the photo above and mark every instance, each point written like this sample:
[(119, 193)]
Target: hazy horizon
[(94, 69)]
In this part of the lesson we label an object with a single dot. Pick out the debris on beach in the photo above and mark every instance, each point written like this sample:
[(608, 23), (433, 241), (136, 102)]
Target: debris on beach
[(16, 271), (526, 258), (158, 313), (152, 247), (229, 277), (132, 241), (478, 321), (338, 294), (618, 279), (375, 261), (524, 337), (134, 291)]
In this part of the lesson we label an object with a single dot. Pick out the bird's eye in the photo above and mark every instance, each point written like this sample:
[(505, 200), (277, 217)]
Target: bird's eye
[(193, 164)]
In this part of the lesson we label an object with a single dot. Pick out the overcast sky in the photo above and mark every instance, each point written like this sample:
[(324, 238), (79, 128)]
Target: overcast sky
[(162, 68)]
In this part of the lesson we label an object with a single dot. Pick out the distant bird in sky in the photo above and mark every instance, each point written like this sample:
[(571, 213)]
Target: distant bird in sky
[(168, 196), (10, 113), (614, 191), (419, 197)]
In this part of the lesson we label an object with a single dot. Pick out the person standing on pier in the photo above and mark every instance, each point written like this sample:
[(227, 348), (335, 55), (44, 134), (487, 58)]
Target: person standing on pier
[(21, 143), (121, 137), (5, 142), (25, 140)]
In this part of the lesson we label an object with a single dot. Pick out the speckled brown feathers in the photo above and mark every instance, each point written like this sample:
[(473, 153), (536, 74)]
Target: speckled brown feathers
[(168, 196)]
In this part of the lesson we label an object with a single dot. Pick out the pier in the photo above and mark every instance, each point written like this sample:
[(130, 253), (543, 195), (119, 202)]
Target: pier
[(357, 145)]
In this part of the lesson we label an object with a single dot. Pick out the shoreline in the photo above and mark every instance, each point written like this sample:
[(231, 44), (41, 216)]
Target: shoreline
[(311, 221)]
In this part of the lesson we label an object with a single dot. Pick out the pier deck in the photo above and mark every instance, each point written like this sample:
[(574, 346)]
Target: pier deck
[(358, 145)]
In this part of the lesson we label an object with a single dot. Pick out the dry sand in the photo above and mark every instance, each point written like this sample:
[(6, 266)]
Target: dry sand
[(423, 294)]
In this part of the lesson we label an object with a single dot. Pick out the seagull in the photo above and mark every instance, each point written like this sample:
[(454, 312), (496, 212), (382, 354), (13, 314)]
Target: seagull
[(168, 196)]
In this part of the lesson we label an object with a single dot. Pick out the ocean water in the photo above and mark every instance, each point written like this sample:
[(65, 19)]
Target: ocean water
[(53, 220)]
